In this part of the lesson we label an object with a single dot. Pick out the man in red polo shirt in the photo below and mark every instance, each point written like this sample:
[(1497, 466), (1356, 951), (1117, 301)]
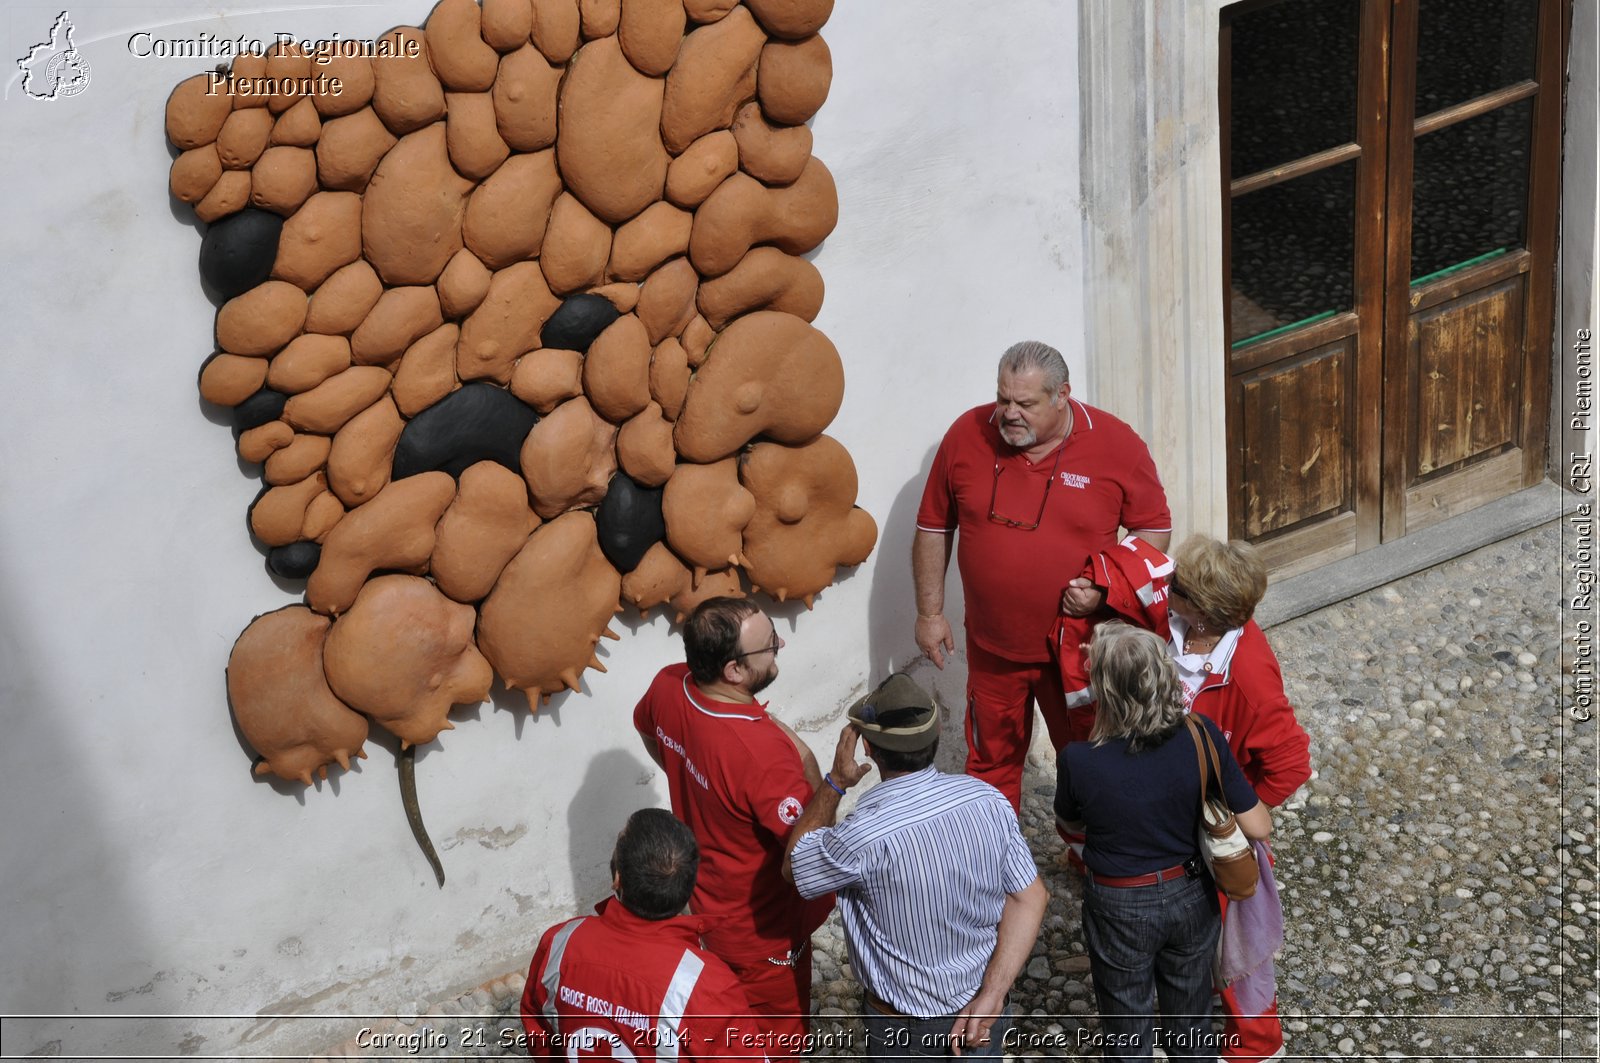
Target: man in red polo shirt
[(1031, 485), (740, 779)]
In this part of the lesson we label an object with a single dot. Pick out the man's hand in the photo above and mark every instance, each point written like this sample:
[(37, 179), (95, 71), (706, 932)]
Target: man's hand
[(934, 638), (974, 1022), (824, 804), (847, 771), (1020, 917), (1080, 598)]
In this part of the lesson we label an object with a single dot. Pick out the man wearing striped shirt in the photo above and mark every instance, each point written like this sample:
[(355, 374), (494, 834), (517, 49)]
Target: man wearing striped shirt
[(630, 982), (938, 891)]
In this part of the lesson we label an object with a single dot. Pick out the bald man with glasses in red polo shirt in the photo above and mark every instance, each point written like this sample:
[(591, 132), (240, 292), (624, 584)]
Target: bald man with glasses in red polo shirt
[(1030, 487), (740, 778)]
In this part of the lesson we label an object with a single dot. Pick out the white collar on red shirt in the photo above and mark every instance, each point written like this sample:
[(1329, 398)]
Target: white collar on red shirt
[(1079, 416), (699, 699), (1198, 670), (1083, 411)]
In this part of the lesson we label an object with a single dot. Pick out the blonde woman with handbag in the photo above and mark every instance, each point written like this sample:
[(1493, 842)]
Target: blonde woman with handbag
[(1150, 914)]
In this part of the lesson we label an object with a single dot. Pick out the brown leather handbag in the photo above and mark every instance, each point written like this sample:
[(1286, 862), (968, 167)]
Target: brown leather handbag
[(1229, 855)]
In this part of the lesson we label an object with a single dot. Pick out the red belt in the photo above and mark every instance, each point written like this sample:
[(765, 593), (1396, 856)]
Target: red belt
[(1149, 879)]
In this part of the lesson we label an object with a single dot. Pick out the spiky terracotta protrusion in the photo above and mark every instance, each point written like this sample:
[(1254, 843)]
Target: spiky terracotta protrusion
[(540, 624), (403, 655), (282, 701), (806, 522)]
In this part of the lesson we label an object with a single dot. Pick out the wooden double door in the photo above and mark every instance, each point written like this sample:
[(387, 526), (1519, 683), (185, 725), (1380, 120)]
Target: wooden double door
[(1390, 197)]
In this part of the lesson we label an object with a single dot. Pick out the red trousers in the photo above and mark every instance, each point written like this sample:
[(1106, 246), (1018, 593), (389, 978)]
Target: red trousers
[(1247, 1038), (1000, 699), (780, 1003)]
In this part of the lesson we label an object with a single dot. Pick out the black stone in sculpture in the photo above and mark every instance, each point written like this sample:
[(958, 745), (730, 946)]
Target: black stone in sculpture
[(295, 561), (237, 252), (578, 321), (264, 407), (477, 422), (629, 522)]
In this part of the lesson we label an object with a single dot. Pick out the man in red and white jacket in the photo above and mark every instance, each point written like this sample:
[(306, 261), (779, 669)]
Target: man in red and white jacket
[(631, 982)]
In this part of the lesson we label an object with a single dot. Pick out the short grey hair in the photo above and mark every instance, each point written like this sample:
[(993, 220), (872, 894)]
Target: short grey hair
[(1136, 684), (1031, 354)]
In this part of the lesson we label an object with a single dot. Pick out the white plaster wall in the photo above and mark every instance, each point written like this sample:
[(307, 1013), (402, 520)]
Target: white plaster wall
[(143, 870)]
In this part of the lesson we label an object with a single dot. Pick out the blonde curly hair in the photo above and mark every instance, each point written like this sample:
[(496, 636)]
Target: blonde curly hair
[(1225, 581), (1136, 684)]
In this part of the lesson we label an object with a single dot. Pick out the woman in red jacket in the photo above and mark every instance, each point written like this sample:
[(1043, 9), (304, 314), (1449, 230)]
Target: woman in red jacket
[(1229, 672), (1231, 677)]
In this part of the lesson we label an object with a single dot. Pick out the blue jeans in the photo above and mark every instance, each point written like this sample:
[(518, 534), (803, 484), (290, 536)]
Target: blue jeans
[(895, 1037), (1149, 946)]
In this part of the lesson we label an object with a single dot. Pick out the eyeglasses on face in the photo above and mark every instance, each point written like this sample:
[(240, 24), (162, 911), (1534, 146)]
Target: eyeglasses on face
[(1174, 586), (772, 647)]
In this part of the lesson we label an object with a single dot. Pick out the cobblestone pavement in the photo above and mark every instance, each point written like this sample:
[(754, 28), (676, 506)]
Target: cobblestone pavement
[(1438, 880)]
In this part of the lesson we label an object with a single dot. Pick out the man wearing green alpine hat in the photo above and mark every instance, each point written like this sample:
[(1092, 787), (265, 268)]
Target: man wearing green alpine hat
[(938, 891)]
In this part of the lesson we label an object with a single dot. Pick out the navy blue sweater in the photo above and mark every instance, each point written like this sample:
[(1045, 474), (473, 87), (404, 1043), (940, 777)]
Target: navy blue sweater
[(1141, 810)]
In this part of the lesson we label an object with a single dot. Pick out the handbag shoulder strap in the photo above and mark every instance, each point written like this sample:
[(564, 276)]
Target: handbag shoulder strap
[(1196, 733), (1216, 766)]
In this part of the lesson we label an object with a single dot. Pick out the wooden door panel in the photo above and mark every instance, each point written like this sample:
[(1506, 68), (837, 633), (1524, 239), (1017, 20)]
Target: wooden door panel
[(1470, 487), (1376, 388), (1311, 547), (1466, 363), (1296, 428)]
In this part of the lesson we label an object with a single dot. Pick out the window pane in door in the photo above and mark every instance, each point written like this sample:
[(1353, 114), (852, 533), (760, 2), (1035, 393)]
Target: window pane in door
[(1294, 82), (1293, 251), (1466, 48), (1470, 190)]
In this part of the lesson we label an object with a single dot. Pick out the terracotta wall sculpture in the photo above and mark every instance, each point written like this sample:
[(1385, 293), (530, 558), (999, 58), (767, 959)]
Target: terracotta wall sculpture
[(517, 327)]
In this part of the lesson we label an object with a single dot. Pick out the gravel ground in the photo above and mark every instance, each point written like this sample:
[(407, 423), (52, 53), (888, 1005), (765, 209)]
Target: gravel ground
[(1438, 877)]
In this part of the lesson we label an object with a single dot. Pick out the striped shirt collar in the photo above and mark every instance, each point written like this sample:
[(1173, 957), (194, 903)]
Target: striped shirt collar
[(887, 788), (722, 710)]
